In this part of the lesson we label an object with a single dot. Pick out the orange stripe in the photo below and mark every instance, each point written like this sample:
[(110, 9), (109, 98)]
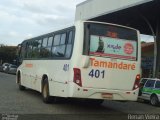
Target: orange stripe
[(29, 65)]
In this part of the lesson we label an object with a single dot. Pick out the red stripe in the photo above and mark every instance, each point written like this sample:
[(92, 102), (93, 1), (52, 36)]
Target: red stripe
[(113, 55)]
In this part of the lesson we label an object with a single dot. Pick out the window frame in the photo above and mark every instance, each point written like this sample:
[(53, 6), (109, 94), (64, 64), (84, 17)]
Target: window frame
[(148, 81)]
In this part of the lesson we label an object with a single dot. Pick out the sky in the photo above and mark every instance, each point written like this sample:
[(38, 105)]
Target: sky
[(23, 19)]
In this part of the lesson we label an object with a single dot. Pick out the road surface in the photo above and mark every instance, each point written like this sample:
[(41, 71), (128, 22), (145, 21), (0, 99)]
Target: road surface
[(29, 103)]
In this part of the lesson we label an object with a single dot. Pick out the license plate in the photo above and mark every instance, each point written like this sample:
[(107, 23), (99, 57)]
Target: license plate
[(107, 95)]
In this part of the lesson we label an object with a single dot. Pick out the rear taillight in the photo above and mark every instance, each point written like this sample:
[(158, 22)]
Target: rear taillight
[(137, 81), (77, 76)]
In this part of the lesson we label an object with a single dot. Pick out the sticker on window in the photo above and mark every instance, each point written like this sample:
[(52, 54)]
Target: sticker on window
[(113, 47)]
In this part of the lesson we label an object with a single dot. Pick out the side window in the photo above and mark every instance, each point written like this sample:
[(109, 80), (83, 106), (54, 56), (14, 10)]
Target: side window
[(70, 37), (157, 85), (23, 51), (150, 83), (29, 50), (69, 45), (56, 40), (59, 46), (35, 49), (39, 48), (45, 51), (45, 41), (39, 44), (63, 39), (49, 46), (50, 40)]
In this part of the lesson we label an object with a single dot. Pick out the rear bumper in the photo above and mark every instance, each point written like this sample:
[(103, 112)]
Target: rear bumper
[(92, 93)]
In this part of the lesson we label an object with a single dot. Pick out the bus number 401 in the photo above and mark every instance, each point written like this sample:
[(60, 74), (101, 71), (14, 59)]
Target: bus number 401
[(96, 73)]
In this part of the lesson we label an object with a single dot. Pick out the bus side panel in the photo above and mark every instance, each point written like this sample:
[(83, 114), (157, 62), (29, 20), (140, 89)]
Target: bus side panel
[(25, 75), (57, 72)]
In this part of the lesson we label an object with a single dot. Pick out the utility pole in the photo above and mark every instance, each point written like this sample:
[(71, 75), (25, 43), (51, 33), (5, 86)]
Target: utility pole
[(158, 48)]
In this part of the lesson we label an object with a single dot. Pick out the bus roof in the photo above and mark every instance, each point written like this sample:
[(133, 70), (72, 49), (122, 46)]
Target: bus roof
[(47, 34)]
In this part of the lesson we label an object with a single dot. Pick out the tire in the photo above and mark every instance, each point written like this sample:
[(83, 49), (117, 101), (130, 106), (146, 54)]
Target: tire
[(45, 92), (154, 100), (21, 87)]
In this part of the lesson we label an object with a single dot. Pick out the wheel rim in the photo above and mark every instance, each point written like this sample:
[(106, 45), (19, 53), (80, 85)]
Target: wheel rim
[(153, 100), (45, 91)]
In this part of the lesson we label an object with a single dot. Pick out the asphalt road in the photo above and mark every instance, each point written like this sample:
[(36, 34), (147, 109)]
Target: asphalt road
[(29, 103)]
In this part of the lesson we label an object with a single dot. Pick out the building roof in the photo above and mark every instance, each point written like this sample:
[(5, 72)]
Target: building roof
[(93, 8)]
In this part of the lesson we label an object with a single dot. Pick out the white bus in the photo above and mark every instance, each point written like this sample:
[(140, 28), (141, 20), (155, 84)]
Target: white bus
[(90, 60)]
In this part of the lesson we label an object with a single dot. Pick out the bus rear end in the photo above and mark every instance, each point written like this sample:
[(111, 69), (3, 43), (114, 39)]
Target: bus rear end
[(109, 66)]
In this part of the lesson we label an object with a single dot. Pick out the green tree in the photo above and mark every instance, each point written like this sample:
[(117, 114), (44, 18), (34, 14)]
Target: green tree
[(7, 53)]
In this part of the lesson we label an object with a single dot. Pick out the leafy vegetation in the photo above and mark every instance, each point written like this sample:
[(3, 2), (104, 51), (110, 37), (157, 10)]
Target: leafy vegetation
[(7, 54)]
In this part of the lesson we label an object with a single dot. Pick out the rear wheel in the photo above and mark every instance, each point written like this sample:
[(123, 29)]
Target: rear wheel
[(154, 100), (45, 92)]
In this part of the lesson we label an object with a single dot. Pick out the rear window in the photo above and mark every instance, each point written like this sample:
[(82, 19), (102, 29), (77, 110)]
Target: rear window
[(150, 83), (111, 41)]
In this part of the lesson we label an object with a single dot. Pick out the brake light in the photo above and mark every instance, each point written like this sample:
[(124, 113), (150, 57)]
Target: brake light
[(77, 76), (137, 81)]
